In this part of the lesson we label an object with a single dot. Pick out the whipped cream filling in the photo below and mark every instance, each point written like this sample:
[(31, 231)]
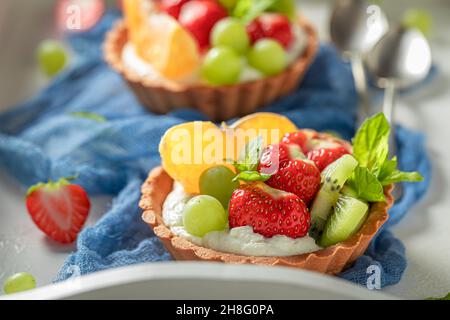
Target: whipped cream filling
[(242, 240), (142, 68)]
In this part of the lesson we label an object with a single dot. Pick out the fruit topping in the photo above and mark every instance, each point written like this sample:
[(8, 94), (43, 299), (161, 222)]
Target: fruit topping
[(255, 31), (204, 214), (269, 211), (298, 176), (19, 282), (222, 66), (267, 56), (230, 32), (299, 138), (199, 17), (277, 27), (348, 217), (59, 209), (160, 43), (189, 149), (172, 7), (333, 179), (286, 7), (322, 157), (218, 183)]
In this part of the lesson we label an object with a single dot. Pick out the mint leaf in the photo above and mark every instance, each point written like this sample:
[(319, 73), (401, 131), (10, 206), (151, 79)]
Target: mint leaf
[(400, 176), (247, 10), (249, 157), (88, 115), (447, 297), (251, 176), (387, 168), (371, 143), (366, 185)]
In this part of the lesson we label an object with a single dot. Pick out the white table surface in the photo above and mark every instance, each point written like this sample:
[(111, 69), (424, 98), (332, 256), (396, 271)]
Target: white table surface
[(425, 231)]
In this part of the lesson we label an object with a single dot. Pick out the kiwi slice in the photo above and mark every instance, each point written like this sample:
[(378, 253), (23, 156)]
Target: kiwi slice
[(333, 179), (348, 216)]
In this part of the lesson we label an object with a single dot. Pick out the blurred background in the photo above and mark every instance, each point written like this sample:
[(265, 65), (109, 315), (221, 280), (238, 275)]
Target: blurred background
[(24, 24)]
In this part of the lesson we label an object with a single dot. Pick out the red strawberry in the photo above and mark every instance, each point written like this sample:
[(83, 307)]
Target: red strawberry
[(277, 27), (290, 170), (172, 7), (299, 138), (199, 17), (255, 31), (59, 209), (322, 157), (270, 212)]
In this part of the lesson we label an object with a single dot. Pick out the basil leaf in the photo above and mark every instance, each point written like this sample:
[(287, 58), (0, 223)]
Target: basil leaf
[(247, 10), (400, 176), (251, 176), (249, 157), (371, 143), (366, 185)]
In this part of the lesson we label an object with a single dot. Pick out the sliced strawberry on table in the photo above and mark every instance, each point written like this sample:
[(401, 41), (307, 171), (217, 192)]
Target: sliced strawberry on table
[(199, 17), (59, 209), (323, 156), (269, 211), (295, 173)]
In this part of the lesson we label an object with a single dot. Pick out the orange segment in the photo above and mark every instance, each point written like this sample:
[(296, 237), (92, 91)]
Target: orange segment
[(190, 148), (160, 40), (271, 126)]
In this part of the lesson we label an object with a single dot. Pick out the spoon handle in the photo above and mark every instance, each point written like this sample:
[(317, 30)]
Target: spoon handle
[(359, 74), (388, 110)]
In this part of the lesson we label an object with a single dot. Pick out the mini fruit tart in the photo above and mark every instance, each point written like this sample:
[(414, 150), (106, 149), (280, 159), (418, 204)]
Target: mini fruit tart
[(224, 58), (292, 197)]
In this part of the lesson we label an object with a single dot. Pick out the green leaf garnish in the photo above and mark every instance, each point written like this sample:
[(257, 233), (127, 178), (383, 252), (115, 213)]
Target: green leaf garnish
[(366, 185), (89, 115), (371, 143), (399, 176), (371, 149), (249, 156)]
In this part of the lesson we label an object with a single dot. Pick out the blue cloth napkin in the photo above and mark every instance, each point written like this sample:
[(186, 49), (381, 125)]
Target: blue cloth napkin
[(42, 140)]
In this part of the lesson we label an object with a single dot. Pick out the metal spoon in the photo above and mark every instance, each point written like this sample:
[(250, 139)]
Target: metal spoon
[(355, 27), (400, 59)]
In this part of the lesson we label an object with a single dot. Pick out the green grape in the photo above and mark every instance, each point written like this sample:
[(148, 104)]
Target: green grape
[(52, 57), (19, 282), (268, 56), (230, 32), (222, 66), (204, 214), (229, 4), (217, 182), (286, 7), (420, 19)]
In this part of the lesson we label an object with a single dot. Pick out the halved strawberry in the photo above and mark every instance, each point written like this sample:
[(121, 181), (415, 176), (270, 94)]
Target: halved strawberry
[(172, 7), (269, 211), (322, 157), (273, 25), (59, 209), (290, 171), (299, 138)]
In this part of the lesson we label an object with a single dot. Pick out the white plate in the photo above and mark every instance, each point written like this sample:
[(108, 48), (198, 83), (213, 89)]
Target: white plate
[(203, 281)]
